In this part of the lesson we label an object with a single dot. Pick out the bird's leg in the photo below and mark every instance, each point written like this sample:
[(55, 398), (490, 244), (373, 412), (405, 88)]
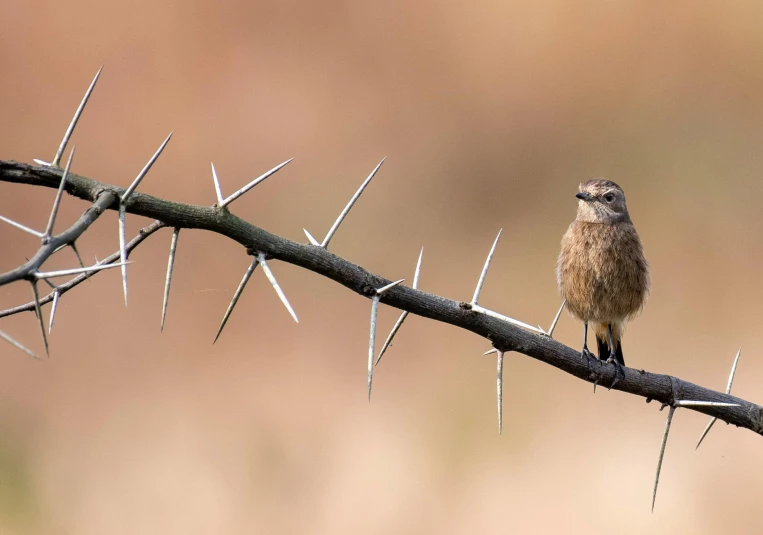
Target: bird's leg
[(619, 372), (586, 354)]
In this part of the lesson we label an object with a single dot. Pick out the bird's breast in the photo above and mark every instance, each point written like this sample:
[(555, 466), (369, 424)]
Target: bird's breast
[(602, 272)]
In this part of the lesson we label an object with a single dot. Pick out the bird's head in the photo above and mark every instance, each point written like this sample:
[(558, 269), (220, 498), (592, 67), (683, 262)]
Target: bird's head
[(601, 201)]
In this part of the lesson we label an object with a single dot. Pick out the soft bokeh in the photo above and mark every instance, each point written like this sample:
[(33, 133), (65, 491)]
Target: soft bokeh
[(490, 115)]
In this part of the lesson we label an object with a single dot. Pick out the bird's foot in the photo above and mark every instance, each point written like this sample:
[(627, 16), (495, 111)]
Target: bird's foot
[(619, 371), (588, 357)]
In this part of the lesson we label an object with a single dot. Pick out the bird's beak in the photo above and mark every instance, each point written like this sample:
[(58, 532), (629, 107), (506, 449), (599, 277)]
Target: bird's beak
[(584, 196)]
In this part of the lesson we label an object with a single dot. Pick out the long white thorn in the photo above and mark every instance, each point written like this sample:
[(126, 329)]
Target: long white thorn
[(417, 272), (22, 227), (18, 345), (496, 315), (253, 183), (145, 170), (688, 403), (384, 289), (122, 248), (168, 278), (662, 453), (733, 371), (706, 431), (236, 295), (372, 342), (77, 114), (276, 287), (372, 336), (53, 308), (347, 208), (728, 391), (39, 315), (499, 389), (75, 271), (393, 332), (556, 320), (57, 201), (481, 280), (401, 319), (218, 191)]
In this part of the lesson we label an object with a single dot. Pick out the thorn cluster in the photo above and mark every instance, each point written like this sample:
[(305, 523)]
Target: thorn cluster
[(259, 259), (673, 406), (378, 293), (478, 290), (33, 274), (222, 203), (401, 319)]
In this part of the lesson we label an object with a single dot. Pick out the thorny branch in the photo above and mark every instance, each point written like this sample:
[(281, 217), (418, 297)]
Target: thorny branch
[(503, 335), (507, 334), (61, 289), (27, 270)]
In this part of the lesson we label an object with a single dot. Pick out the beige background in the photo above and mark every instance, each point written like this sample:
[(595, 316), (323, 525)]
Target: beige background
[(490, 115)]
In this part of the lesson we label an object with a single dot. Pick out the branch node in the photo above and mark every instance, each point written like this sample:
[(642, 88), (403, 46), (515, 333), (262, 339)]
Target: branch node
[(368, 290)]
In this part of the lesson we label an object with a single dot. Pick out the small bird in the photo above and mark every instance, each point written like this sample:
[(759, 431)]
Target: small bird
[(602, 272)]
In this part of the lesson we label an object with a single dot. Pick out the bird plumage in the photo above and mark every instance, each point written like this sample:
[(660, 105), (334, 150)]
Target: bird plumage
[(602, 272)]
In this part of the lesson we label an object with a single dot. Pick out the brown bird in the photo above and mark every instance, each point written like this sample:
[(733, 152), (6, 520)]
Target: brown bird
[(602, 272)]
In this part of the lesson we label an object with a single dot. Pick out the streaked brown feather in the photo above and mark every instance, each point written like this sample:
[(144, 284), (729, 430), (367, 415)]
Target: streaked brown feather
[(602, 272)]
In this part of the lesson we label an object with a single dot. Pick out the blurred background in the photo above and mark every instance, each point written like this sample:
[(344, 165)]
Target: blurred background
[(490, 115)]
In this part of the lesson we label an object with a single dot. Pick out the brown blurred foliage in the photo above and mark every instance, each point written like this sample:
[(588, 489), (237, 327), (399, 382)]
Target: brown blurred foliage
[(490, 115)]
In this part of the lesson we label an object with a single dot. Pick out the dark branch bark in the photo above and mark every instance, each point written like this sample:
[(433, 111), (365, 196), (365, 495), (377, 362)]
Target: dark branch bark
[(26, 271), (662, 388), (144, 233)]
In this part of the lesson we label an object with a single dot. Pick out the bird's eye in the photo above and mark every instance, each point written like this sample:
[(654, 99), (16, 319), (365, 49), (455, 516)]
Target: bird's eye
[(609, 197)]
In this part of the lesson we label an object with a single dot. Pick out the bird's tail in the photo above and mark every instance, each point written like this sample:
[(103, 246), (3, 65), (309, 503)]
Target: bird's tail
[(602, 341)]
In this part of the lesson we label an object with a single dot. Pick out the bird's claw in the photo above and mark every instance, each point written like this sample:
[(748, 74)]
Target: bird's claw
[(588, 357), (619, 371)]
